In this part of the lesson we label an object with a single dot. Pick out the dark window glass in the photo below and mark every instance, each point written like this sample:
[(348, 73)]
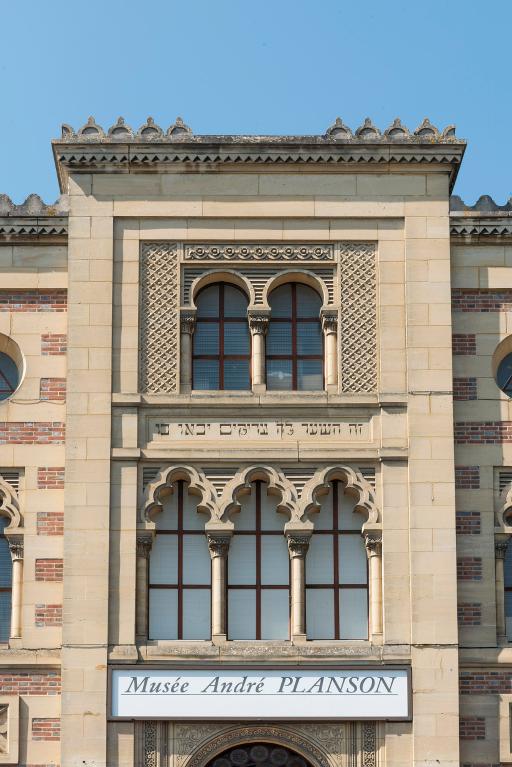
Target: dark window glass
[(9, 376), (504, 375), (294, 345), (5, 583), (222, 343)]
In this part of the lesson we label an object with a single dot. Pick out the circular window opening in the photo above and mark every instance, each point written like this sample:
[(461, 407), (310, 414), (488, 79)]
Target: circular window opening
[(11, 367), (504, 375)]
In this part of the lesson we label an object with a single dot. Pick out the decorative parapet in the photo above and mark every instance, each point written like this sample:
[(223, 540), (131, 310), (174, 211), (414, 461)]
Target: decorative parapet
[(151, 148), (33, 218), (483, 219)]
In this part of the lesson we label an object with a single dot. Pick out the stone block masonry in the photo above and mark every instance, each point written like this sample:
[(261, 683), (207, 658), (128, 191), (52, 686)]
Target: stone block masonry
[(46, 729), (472, 728), (54, 344), (50, 523), (481, 300), (32, 432), (50, 478), (49, 570), (53, 389), (467, 477), (469, 614), (464, 344), (485, 682), (464, 389), (33, 300), (483, 432), (468, 522), (469, 568), (30, 683), (48, 615)]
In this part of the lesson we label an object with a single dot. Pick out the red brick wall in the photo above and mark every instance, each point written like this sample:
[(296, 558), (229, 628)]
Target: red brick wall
[(481, 300), (32, 433), (49, 569), (48, 615), (485, 682), (46, 729), (464, 344), (50, 523), (472, 728), (54, 344), (469, 568), (33, 300), (469, 614), (467, 477), (468, 522), (464, 389), (50, 478), (53, 389), (483, 432), (30, 683)]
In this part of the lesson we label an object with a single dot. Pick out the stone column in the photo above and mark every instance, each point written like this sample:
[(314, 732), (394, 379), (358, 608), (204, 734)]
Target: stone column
[(330, 328), (297, 547), (373, 543), (218, 544), (16, 549), (500, 548), (187, 326), (144, 543), (258, 324)]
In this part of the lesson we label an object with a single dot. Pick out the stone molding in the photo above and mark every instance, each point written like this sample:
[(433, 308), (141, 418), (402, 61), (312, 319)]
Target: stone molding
[(298, 545), (10, 507), (16, 547), (218, 545), (258, 252)]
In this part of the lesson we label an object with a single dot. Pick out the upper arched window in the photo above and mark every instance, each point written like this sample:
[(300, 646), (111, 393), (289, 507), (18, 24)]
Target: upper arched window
[(294, 348), (336, 571), (5, 582), (222, 344), (179, 571)]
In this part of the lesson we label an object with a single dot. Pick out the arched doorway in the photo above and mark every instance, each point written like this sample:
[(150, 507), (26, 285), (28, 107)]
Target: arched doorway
[(258, 755)]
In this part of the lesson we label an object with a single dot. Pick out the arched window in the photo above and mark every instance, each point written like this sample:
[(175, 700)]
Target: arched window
[(258, 579), (179, 571), (5, 582), (337, 572), (222, 344), (294, 346)]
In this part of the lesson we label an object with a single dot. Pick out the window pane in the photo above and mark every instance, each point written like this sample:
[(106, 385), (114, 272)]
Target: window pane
[(235, 302), (275, 560), (236, 338), (5, 616), (5, 564), (319, 560), (208, 302), (353, 614), (206, 374), (163, 561), (192, 518), (279, 375), (275, 612), (245, 519), (323, 519), (242, 560), (508, 604), (196, 614), (236, 375), (310, 375), (241, 614), (270, 518), (196, 560), (167, 519), (206, 338), (508, 566), (352, 559), (320, 613), (9, 376), (280, 301), (309, 338), (308, 302), (163, 613), (279, 338), (347, 519)]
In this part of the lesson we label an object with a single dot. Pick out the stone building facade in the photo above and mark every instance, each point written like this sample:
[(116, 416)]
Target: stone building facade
[(255, 454)]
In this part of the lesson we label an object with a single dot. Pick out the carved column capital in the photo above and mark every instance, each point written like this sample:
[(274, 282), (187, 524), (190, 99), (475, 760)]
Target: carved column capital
[(218, 544), (329, 321), (298, 545), (16, 547), (144, 544), (188, 322), (373, 544), (500, 548), (258, 323)]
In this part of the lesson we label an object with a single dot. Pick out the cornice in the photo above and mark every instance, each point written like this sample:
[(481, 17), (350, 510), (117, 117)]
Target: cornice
[(33, 219), (483, 219), (150, 148)]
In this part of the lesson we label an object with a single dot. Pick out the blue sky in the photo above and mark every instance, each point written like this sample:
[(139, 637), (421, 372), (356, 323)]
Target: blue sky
[(272, 66)]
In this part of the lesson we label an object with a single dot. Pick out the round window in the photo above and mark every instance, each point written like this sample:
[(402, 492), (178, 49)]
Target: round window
[(9, 376), (504, 375)]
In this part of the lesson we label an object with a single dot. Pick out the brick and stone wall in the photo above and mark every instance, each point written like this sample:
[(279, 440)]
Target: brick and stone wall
[(464, 389), (50, 522), (467, 477), (33, 300), (48, 615), (49, 569), (53, 389), (32, 432), (464, 344), (15, 682), (54, 344), (469, 613), (469, 568), (468, 522), (50, 478), (46, 729)]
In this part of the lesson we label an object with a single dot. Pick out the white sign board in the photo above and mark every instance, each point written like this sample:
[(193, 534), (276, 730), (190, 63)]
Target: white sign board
[(249, 693)]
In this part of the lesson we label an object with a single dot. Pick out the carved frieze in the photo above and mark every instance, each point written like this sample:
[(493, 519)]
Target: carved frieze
[(248, 252)]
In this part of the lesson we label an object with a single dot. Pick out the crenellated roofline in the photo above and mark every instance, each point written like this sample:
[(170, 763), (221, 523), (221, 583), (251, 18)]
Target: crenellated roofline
[(483, 219)]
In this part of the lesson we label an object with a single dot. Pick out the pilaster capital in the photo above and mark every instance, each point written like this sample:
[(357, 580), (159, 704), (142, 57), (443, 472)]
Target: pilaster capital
[(298, 545), (258, 323), (500, 547), (373, 544), (188, 322), (16, 547), (144, 544), (329, 319), (218, 544)]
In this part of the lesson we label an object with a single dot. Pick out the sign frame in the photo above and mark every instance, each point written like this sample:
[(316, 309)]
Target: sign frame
[(184, 667)]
